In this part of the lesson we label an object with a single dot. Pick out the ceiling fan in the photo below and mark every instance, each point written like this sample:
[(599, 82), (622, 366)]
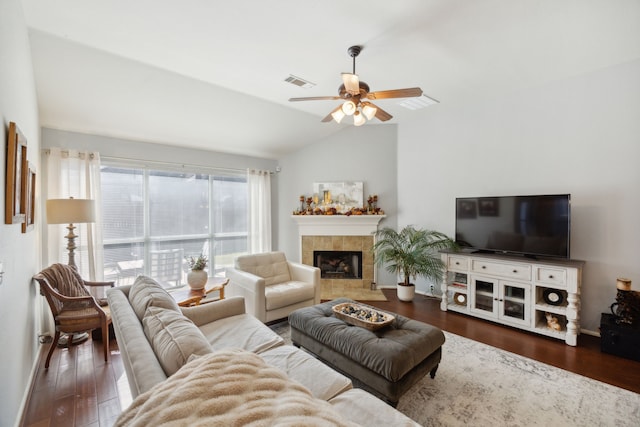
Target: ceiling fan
[(356, 96)]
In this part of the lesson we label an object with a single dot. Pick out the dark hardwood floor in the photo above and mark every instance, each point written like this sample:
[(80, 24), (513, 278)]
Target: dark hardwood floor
[(584, 359), (80, 389)]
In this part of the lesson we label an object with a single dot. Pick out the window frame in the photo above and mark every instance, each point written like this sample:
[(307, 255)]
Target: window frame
[(146, 241)]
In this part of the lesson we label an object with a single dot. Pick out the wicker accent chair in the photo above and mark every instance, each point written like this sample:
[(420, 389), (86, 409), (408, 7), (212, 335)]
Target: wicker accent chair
[(74, 309)]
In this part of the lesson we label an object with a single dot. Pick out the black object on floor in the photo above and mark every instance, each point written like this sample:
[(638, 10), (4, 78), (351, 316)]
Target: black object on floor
[(619, 339)]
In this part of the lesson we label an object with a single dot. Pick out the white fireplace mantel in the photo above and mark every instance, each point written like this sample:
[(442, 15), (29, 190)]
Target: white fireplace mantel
[(337, 225)]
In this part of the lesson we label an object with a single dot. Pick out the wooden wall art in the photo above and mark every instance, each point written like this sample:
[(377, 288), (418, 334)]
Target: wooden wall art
[(29, 199), (16, 167)]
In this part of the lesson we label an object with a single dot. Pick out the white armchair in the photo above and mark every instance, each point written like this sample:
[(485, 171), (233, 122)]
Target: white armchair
[(273, 287)]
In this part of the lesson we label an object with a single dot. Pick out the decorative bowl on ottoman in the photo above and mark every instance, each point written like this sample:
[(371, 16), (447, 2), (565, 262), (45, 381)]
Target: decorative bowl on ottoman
[(362, 315)]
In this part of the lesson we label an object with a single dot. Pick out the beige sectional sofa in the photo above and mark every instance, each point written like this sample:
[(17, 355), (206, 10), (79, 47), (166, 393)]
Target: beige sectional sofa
[(159, 341)]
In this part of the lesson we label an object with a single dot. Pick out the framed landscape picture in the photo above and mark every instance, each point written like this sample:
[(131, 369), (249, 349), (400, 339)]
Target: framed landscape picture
[(16, 167), (341, 195)]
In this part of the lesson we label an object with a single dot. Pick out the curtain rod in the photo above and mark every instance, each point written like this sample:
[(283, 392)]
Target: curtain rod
[(160, 163), (181, 165), (66, 152)]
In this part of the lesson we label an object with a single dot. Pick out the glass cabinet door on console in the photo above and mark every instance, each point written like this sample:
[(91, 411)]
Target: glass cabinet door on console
[(504, 300), (514, 303), (484, 296)]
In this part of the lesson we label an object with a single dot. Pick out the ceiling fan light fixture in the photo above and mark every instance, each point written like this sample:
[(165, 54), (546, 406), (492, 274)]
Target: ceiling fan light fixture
[(369, 110), (355, 95), (349, 107), (338, 115), (358, 119)]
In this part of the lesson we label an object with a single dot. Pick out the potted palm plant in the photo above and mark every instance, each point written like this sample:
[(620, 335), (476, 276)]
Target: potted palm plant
[(410, 253)]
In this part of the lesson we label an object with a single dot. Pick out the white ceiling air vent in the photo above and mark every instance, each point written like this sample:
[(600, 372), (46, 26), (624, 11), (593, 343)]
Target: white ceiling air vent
[(418, 102), (299, 82)]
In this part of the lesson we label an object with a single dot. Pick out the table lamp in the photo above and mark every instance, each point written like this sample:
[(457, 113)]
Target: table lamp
[(70, 211)]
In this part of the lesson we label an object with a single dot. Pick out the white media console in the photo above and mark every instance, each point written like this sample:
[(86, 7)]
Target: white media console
[(541, 296)]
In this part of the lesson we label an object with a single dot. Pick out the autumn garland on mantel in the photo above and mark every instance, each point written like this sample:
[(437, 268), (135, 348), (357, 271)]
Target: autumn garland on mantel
[(315, 208)]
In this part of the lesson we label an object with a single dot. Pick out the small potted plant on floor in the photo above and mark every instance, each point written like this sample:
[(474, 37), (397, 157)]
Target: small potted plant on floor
[(410, 253), (197, 277)]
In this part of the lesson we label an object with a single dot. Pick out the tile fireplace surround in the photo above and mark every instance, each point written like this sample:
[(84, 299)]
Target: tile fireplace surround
[(339, 233)]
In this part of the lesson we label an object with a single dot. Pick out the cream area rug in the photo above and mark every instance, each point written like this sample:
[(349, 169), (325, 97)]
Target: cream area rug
[(480, 385)]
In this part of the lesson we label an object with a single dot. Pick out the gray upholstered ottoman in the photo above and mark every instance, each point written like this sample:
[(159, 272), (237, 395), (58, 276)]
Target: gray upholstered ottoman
[(386, 362)]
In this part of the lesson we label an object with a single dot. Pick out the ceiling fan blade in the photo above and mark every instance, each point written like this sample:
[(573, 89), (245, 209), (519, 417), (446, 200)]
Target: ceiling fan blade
[(396, 93), (315, 98), (351, 83), (382, 115), (330, 115), (327, 119)]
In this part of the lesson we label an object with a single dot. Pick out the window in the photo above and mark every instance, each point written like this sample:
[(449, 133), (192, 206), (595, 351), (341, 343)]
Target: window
[(153, 219)]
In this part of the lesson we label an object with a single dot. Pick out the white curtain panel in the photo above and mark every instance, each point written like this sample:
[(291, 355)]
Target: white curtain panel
[(259, 183), (72, 173)]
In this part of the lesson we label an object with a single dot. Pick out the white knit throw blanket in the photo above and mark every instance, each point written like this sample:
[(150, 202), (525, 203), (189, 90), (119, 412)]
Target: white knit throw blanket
[(229, 387)]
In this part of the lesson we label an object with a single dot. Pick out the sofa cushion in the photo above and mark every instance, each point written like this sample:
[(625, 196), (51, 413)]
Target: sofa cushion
[(146, 292), (271, 266), (322, 381), (287, 293), (174, 338), (241, 331), (357, 405), (140, 362)]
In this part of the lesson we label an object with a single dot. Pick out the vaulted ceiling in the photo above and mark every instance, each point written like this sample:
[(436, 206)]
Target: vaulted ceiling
[(210, 74)]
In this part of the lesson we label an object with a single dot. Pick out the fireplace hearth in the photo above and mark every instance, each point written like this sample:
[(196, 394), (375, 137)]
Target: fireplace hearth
[(338, 264)]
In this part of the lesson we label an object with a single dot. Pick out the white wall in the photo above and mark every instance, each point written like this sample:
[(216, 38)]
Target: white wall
[(579, 136), (18, 252), (366, 153), (138, 150)]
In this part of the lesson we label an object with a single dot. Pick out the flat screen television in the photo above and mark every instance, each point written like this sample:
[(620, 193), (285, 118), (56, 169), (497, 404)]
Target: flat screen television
[(535, 226)]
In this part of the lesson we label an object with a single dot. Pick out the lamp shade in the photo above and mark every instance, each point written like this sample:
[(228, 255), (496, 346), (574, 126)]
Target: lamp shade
[(349, 107), (68, 211), (358, 119), (369, 110), (338, 115)]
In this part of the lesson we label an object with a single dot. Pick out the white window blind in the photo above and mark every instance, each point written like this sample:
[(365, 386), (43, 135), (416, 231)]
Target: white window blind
[(153, 216)]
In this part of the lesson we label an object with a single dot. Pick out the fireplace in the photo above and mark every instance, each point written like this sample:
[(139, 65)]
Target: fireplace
[(338, 264), (346, 236)]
